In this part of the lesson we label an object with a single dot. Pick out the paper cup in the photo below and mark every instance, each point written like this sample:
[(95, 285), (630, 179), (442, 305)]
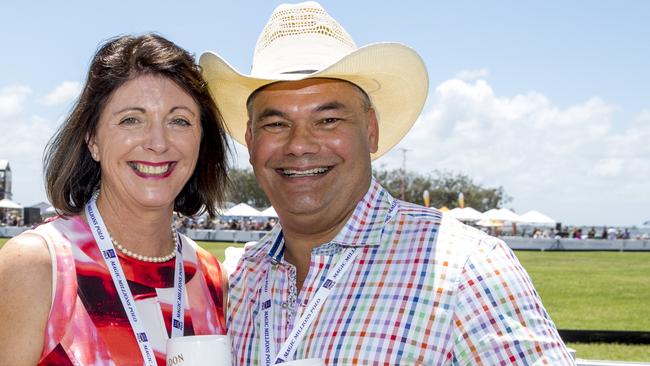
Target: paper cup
[(200, 350), (305, 362)]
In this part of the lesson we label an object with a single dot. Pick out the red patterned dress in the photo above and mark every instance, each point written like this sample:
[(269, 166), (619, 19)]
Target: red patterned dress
[(87, 324)]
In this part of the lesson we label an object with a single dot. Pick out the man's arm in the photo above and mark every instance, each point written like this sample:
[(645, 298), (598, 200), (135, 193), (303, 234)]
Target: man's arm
[(499, 316)]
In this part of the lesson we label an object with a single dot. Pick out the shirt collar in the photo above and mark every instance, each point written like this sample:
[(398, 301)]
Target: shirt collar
[(363, 228)]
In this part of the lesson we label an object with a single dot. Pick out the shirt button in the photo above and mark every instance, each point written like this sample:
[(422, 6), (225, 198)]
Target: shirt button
[(285, 305)]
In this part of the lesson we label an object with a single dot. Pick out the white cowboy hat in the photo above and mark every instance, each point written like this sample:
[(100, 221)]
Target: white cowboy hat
[(302, 41)]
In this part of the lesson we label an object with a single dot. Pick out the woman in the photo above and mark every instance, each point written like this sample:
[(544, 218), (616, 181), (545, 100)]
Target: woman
[(144, 140)]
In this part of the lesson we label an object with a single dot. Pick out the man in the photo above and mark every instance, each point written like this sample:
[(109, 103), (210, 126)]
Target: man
[(351, 275)]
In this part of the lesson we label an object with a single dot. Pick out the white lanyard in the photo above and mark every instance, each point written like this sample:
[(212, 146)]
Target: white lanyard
[(288, 349), (119, 280)]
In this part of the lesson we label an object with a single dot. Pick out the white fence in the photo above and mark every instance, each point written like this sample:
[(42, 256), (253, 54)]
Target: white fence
[(11, 231), (514, 242), (581, 362), (520, 243)]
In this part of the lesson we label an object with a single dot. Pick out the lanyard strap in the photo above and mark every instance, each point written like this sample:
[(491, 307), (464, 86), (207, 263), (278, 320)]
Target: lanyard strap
[(288, 348), (126, 297)]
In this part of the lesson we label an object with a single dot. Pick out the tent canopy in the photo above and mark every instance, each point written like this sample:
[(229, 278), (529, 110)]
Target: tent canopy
[(536, 217), (7, 203), (466, 214), (269, 212), (242, 210), (502, 214)]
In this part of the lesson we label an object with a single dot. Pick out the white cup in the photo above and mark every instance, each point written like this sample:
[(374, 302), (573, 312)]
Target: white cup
[(305, 362), (199, 350)]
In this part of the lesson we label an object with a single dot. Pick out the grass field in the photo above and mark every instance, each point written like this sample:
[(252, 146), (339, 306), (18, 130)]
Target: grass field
[(590, 290), (595, 290)]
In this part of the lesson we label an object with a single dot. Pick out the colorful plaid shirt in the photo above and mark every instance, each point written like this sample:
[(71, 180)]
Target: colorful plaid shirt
[(425, 290)]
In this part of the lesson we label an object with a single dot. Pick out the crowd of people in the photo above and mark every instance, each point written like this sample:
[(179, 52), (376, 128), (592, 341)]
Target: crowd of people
[(223, 223), (574, 232), (11, 220), (203, 222)]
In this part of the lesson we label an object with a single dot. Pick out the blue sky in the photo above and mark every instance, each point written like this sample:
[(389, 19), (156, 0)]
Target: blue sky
[(549, 100)]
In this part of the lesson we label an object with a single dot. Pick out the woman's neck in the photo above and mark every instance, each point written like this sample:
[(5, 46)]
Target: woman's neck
[(142, 231)]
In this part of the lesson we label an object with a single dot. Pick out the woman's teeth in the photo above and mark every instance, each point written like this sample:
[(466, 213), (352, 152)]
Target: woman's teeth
[(150, 169)]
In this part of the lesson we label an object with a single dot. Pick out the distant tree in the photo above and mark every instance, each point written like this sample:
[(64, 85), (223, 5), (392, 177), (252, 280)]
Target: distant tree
[(245, 189), (443, 187)]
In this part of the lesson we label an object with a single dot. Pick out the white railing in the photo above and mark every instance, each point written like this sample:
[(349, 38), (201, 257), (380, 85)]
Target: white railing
[(581, 362)]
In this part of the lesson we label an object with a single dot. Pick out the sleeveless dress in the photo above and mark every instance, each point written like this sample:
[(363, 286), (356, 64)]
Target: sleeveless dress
[(87, 324)]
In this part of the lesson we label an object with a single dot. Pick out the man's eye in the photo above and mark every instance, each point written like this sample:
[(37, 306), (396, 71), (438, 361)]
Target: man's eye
[(273, 125), (330, 120)]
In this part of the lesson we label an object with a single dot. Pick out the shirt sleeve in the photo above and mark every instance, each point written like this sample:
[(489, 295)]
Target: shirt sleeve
[(499, 317)]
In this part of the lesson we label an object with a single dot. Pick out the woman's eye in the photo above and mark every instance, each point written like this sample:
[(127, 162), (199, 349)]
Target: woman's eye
[(181, 122), (129, 121)]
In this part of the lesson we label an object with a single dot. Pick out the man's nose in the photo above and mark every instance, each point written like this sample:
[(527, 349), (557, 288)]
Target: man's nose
[(302, 140)]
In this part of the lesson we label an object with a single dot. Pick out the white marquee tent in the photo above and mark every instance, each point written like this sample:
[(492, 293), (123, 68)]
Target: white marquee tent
[(269, 212), (502, 214), (536, 218), (465, 214), (9, 204), (241, 210)]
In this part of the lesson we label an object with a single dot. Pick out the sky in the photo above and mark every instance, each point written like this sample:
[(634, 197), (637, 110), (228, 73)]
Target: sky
[(549, 100)]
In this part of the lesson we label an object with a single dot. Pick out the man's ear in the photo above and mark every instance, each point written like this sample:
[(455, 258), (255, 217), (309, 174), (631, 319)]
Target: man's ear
[(373, 131), (249, 140), (91, 144)]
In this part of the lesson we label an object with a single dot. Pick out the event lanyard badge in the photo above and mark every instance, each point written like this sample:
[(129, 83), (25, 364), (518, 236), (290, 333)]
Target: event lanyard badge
[(126, 297), (288, 349)]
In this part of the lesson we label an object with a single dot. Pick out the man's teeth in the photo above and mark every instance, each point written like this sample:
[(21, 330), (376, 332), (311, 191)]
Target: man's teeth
[(304, 173), (151, 169)]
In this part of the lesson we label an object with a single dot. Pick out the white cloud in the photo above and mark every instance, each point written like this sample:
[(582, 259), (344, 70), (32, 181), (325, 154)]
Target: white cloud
[(12, 100), (63, 93), (609, 167), (22, 141), (474, 74), (568, 162)]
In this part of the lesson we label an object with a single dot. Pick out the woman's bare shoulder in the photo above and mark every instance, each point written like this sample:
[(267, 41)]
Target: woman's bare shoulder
[(25, 264), (25, 250), (26, 284)]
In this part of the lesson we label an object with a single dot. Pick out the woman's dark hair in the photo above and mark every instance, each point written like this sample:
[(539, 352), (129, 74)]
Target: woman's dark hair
[(71, 175)]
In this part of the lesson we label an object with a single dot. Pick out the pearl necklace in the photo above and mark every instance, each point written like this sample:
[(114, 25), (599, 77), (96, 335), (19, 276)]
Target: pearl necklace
[(146, 258)]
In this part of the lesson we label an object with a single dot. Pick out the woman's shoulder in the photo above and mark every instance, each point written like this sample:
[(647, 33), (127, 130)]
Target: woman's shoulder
[(25, 262), (25, 252), (26, 283)]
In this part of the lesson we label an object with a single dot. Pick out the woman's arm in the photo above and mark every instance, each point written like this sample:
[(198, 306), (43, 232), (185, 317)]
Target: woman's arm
[(25, 299)]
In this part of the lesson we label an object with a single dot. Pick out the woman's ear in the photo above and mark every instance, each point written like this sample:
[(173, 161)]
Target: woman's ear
[(92, 147)]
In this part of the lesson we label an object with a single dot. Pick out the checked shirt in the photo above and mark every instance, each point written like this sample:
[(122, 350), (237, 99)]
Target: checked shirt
[(425, 290)]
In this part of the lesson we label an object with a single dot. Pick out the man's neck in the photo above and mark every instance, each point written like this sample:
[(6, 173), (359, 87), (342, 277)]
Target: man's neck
[(299, 243)]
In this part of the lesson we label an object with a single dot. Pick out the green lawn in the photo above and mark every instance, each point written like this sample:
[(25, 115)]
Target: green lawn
[(593, 290), (218, 248), (581, 290), (611, 351)]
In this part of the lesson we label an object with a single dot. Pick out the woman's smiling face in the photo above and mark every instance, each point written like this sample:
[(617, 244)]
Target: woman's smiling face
[(147, 142)]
